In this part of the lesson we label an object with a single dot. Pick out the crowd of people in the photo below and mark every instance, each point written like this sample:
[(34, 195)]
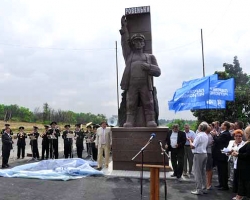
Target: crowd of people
[(224, 148), (98, 139)]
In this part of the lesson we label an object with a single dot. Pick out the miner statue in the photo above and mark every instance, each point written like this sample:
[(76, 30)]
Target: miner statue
[(137, 79)]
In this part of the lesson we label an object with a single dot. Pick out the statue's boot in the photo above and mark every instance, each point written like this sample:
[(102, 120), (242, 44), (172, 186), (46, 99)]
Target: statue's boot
[(150, 121), (130, 121)]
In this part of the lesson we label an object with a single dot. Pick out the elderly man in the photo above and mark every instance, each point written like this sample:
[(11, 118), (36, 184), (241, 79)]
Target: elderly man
[(199, 148), (103, 144), (175, 142), (188, 154)]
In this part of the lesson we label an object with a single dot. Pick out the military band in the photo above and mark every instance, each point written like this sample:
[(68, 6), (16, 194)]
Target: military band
[(21, 143), (49, 142)]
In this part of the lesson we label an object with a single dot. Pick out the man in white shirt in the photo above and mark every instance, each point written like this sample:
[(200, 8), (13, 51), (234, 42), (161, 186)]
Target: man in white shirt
[(175, 141), (188, 154), (103, 144), (199, 148)]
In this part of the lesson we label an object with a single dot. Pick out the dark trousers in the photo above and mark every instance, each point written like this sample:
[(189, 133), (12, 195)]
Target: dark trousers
[(79, 149), (235, 181), (53, 148), (222, 167), (34, 149), (45, 148), (5, 156), (94, 152), (89, 149), (67, 150), (177, 160), (20, 148)]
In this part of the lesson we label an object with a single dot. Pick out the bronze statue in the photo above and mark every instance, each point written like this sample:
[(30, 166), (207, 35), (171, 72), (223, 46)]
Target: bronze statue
[(137, 79)]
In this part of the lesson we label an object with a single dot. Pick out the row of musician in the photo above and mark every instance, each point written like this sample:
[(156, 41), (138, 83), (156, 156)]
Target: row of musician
[(50, 141)]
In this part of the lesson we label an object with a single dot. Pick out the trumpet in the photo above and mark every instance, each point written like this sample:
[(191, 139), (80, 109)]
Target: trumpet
[(21, 135), (42, 134)]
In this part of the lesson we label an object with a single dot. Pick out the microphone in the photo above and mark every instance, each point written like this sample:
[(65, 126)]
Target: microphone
[(162, 149), (160, 143), (152, 136)]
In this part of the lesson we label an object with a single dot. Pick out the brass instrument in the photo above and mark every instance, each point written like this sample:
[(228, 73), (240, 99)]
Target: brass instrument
[(42, 134), (21, 135)]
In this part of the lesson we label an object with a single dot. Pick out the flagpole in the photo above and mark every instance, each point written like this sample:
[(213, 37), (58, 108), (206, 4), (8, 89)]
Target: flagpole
[(117, 88), (202, 54)]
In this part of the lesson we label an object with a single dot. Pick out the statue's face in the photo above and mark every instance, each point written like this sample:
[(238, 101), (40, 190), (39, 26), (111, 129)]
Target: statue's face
[(138, 43)]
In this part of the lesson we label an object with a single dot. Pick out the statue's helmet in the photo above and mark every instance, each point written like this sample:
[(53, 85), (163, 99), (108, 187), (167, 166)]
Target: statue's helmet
[(137, 36)]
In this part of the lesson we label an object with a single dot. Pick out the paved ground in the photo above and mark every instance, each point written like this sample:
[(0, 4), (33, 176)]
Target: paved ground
[(96, 188), (115, 185)]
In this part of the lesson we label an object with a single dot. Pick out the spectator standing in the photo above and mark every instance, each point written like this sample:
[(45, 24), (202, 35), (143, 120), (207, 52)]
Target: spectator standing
[(6, 147), (188, 154), (199, 148), (243, 163), (221, 141), (234, 146), (103, 144), (175, 142), (209, 165)]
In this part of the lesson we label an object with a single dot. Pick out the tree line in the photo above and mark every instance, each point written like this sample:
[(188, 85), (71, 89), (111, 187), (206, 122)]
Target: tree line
[(46, 115)]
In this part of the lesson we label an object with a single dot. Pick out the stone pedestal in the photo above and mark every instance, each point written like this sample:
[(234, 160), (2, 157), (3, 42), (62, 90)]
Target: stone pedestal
[(127, 142)]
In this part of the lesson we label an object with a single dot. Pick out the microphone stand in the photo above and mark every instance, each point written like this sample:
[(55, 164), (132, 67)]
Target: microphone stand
[(142, 155), (164, 153)]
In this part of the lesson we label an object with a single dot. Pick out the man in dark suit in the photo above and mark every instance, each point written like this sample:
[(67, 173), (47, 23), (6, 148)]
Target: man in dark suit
[(221, 140), (45, 142), (67, 142), (34, 142), (7, 146), (55, 133), (175, 142), (21, 143), (79, 136)]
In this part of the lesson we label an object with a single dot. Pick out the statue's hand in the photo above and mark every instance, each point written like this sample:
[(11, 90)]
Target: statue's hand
[(145, 66), (124, 21)]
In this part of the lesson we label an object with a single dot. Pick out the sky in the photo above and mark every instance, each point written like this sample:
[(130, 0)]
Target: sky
[(63, 52)]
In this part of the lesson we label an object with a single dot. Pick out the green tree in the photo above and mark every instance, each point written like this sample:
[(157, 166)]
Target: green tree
[(239, 109), (25, 115), (180, 122), (46, 112)]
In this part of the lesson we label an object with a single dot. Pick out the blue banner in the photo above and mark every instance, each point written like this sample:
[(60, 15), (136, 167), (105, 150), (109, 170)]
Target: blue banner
[(196, 91), (212, 78), (210, 104), (203, 93), (222, 89)]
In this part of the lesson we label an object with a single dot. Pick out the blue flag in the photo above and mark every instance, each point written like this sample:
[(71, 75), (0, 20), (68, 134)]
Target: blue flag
[(203, 93), (212, 78), (222, 89), (196, 91), (210, 104)]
